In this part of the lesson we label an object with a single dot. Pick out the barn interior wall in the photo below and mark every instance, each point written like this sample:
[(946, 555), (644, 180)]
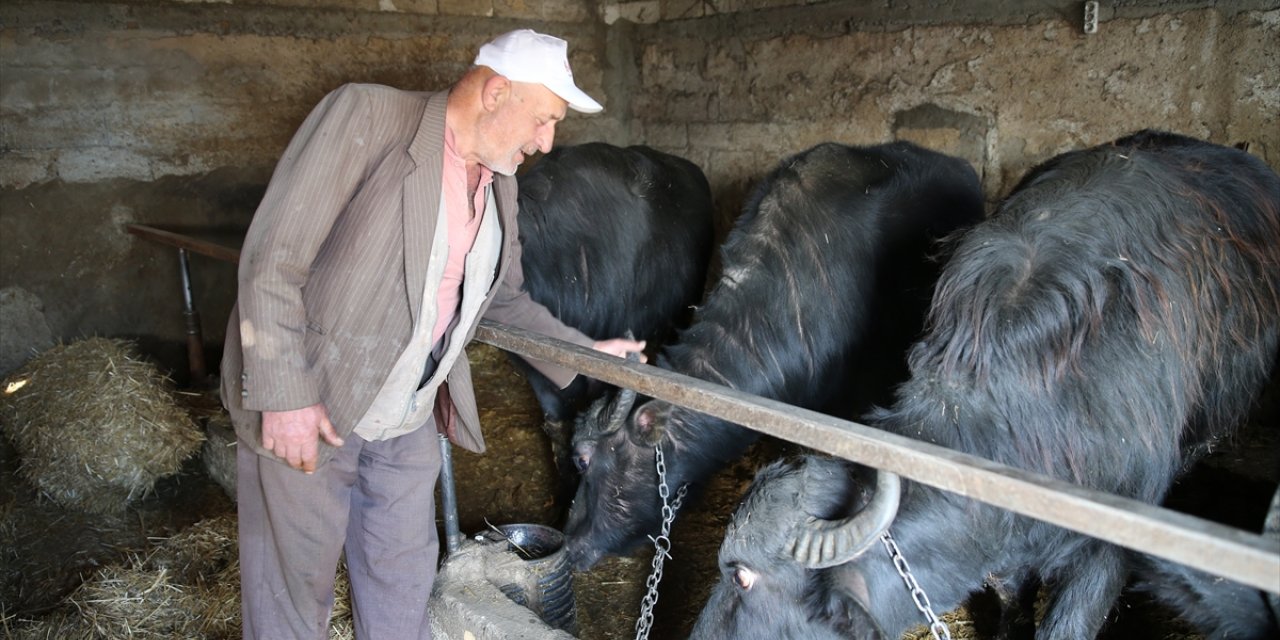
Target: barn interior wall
[(174, 113), (999, 84)]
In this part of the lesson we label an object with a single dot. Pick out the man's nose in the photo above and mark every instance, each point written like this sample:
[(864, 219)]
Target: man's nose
[(545, 137)]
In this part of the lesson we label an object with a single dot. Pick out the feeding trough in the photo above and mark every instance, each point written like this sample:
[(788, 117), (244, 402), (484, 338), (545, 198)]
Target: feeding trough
[(511, 581), (543, 582), (508, 583)]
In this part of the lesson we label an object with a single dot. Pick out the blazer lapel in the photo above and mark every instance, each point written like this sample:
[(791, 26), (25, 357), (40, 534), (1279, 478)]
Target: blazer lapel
[(505, 192), (422, 198)]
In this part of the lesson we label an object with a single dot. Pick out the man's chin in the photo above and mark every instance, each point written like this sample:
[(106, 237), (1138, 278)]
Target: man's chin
[(508, 169)]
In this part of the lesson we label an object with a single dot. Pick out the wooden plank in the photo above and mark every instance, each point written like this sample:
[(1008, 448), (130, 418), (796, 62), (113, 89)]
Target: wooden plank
[(192, 244), (1245, 557)]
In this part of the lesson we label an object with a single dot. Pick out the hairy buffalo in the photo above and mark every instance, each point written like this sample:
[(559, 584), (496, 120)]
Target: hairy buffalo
[(1220, 609), (1114, 317), (615, 240), (826, 273)]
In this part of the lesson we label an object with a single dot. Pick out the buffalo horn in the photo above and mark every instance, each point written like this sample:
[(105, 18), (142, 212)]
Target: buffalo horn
[(819, 544), (626, 398)]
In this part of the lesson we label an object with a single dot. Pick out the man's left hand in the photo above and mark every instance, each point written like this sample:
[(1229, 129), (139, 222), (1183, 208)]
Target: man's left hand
[(620, 347)]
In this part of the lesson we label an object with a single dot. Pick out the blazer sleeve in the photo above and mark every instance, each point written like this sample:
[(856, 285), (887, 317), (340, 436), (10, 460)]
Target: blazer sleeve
[(512, 305), (322, 167)]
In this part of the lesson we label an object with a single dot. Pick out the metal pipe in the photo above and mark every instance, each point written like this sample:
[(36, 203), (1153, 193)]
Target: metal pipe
[(1245, 557), (195, 339), (452, 534)]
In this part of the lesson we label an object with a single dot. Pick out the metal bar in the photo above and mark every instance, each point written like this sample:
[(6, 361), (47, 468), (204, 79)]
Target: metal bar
[(449, 498), (1226, 551), (195, 337), (202, 247)]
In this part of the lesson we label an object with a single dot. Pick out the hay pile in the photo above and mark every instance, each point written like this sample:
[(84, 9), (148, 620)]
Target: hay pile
[(188, 587), (95, 424)]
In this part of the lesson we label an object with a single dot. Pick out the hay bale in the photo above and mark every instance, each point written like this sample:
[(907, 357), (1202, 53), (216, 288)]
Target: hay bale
[(188, 587), (219, 452), (95, 424)]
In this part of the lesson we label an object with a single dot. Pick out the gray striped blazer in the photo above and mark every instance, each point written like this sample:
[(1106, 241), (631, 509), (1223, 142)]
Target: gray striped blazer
[(332, 270)]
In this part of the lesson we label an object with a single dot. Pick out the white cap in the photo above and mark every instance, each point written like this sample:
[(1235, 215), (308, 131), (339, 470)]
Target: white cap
[(525, 55)]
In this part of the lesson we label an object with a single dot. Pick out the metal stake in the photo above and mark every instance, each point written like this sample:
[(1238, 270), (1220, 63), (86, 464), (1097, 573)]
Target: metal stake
[(195, 341), (452, 534)]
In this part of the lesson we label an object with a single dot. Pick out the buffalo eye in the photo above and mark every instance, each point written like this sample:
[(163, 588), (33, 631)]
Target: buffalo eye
[(744, 578)]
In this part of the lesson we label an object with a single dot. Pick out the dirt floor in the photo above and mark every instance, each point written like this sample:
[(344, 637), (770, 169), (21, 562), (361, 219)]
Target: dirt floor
[(46, 551)]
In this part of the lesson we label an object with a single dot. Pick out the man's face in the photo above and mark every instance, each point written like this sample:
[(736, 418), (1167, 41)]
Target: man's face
[(523, 123)]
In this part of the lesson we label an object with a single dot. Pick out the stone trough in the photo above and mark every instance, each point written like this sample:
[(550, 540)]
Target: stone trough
[(508, 584)]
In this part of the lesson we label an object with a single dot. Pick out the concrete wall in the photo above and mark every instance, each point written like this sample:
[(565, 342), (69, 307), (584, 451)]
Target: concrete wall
[(737, 91), (173, 113)]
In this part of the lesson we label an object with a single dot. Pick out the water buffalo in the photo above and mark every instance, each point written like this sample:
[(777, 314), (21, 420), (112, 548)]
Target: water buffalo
[(825, 275), (1117, 315), (615, 241), (1220, 609)]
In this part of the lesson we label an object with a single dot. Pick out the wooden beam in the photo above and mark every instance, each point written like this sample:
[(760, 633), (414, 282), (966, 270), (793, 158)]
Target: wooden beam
[(194, 245)]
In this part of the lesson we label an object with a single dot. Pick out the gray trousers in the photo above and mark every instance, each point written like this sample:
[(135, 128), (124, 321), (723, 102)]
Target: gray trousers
[(376, 501)]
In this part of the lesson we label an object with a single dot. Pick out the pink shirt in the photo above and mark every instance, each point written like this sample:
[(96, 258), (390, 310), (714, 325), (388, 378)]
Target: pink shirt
[(463, 223)]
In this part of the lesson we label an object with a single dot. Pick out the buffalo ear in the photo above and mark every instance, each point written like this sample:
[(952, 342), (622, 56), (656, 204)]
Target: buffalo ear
[(647, 425), (843, 605)]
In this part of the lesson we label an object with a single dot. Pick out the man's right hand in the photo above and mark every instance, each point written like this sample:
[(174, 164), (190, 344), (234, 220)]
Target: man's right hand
[(295, 435)]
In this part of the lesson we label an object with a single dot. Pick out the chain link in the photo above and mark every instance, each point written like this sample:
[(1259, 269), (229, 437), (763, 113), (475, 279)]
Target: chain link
[(937, 628), (661, 544)]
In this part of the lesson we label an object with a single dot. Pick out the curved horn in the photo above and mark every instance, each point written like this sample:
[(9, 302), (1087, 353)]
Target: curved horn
[(819, 544), (625, 400)]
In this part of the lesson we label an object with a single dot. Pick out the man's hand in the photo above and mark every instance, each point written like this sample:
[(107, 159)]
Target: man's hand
[(621, 347), (295, 435)]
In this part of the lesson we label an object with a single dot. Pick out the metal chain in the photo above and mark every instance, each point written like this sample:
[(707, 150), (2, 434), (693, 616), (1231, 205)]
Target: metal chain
[(661, 544), (937, 627)]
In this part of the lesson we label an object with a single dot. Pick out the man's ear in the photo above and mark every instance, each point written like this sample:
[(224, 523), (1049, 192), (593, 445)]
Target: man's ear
[(495, 90)]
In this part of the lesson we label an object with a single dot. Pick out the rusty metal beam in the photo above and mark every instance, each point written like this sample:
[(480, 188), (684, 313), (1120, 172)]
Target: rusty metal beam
[(181, 241), (1226, 551)]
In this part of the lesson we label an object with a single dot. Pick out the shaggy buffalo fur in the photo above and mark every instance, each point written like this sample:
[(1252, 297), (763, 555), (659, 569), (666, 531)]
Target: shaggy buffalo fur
[(826, 272), (1116, 316), (615, 241)]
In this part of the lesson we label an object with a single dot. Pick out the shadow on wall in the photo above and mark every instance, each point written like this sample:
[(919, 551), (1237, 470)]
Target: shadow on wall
[(69, 269)]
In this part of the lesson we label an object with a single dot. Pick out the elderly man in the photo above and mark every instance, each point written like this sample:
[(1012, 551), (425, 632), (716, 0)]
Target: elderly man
[(382, 239)]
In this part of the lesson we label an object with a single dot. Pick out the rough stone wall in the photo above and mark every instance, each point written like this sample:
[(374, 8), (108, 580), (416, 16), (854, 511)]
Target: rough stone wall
[(737, 91), (94, 91), (173, 113)]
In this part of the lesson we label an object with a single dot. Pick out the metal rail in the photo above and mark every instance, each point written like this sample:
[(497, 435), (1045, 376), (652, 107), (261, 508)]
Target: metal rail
[(1245, 557), (1226, 551)]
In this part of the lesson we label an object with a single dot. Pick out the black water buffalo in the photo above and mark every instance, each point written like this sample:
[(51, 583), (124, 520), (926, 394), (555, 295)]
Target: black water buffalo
[(614, 240), (1220, 609), (826, 273), (1117, 314)]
